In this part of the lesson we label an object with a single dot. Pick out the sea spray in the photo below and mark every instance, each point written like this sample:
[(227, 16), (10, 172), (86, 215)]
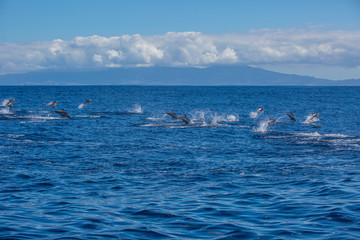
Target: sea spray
[(136, 108), (209, 117), (5, 102), (253, 114), (310, 119), (232, 118), (262, 126), (214, 120), (5, 111), (200, 115)]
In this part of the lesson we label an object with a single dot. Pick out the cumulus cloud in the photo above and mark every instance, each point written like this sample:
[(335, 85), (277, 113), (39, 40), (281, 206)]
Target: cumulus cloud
[(261, 47)]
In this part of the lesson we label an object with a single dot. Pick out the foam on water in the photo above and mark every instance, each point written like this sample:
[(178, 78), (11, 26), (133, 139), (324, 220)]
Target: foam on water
[(310, 120), (136, 108), (316, 134), (167, 125), (81, 106), (253, 114), (38, 111), (338, 135), (39, 117), (262, 126), (212, 118), (86, 116), (199, 115), (232, 118), (49, 104), (4, 102), (5, 110), (154, 119), (201, 118)]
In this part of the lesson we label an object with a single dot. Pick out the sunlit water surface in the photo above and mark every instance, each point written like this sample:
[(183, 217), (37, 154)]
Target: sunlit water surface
[(121, 168)]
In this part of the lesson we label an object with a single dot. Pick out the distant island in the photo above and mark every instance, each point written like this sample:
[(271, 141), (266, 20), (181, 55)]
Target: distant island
[(209, 76)]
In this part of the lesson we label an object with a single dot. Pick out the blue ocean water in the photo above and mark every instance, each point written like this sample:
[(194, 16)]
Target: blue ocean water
[(120, 168)]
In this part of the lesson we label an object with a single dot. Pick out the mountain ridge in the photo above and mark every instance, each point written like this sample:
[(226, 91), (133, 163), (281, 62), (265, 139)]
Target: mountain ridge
[(209, 76)]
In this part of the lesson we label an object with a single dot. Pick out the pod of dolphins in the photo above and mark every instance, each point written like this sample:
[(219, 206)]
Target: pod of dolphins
[(175, 116), (184, 118), (290, 115), (259, 110), (61, 112)]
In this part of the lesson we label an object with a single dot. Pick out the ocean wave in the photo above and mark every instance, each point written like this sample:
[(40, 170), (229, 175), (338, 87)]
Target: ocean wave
[(316, 134), (5, 110), (85, 116)]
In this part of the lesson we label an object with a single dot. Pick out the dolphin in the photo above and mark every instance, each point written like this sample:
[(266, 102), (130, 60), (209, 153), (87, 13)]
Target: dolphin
[(10, 103), (173, 114), (314, 115), (291, 116), (185, 119), (53, 104), (88, 101), (271, 122), (260, 110), (62, 113)]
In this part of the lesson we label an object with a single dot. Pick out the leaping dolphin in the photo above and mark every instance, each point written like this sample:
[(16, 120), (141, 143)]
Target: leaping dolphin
[(62, 113), (291, 116), (185, 119), (173, 114), (53, 104), (88, 101), (260, 110), (10, 103), (271, 122), (314, 115)]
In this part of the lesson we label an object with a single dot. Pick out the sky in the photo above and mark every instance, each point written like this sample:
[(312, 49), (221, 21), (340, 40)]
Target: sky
[(318, 38)]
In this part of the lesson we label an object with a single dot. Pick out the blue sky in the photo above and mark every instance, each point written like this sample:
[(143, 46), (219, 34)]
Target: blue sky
[(39, 20), (24, 22)]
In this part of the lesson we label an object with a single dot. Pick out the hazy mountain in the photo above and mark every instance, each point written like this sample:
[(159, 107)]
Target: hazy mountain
[(216, 75)]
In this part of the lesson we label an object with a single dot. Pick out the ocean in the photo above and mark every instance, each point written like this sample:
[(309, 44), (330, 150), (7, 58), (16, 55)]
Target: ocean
[(121, 168)]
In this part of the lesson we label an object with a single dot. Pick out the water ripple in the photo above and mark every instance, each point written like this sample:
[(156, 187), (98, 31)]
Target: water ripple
[(120, 169)]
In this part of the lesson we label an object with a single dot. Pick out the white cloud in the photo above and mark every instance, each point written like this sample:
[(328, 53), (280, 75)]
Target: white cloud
[(262, 47), (113, 54), (228, 56), (98, 58)]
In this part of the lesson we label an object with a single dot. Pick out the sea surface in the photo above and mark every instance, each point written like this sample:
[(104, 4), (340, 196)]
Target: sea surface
[(120, 168)]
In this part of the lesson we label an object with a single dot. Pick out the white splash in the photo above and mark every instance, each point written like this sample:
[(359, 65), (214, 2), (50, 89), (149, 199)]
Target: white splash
[(50, 104), (37, 117), (4, 102), (86, 116), (338, 135), (214, 120), (310, 119), (314, 134), (154, 119), (262, 127), (136, 109), (81, 106), (254, 114), (199, 115), (232, 118), (330, 135), (5, 111)]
